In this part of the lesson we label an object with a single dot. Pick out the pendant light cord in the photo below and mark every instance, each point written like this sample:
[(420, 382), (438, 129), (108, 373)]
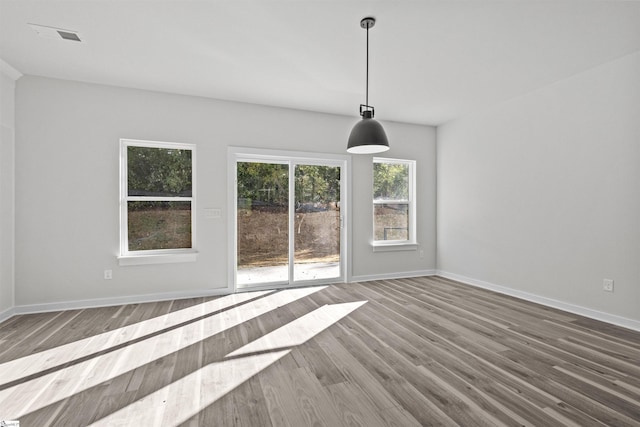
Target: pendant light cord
[(367, 89)]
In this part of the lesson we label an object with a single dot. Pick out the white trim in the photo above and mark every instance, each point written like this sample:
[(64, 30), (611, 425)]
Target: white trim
[(291, 222), (8, 70), (256, 154), (137, 299), (549, 302), (232, 208), (7, 314), (377, 246), (398, 275), (167, 258), (108, 302), (346, 192)]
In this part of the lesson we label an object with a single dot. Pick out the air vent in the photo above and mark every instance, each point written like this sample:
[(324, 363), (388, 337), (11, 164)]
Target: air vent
[(56, 33), (69, 36)]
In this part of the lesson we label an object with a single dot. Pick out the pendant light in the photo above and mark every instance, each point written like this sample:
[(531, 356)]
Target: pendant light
[(367, 136)]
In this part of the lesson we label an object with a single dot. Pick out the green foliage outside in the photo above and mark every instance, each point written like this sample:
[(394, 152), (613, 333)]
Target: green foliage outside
[(159, 172), (269, 182), (390, 181), (317, 184)]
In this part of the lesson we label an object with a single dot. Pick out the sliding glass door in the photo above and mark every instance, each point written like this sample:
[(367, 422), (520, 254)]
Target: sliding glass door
[(288, 222), (316, 225)]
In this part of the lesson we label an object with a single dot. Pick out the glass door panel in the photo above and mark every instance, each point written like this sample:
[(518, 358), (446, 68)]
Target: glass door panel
[(317, 223), (262, 216), (288, 222)]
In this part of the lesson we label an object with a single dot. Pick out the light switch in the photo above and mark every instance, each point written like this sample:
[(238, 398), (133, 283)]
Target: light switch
[(212, 213)]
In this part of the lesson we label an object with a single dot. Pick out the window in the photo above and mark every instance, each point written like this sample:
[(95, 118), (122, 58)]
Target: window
[(157, 201), (394, 222)]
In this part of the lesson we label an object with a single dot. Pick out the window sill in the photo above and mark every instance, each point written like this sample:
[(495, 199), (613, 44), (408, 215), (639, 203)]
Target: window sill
[(124, 260), (394, 247)]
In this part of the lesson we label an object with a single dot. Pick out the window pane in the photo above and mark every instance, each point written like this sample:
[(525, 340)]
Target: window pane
[(263, 222), (159, 172), (159, 225), (391, 221), (317, 222), (390, 181)]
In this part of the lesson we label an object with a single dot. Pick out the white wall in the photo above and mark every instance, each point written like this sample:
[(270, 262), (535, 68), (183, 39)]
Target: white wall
[(7, 145), (542, 194), (67, 184), (368, 265)]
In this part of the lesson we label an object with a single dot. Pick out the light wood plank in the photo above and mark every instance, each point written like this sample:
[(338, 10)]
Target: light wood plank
[(417, 351)]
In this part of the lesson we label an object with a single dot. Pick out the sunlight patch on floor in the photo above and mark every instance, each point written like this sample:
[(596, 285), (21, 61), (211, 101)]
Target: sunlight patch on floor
[(37, 362), (60, 384), (185, 398), (300, 330)]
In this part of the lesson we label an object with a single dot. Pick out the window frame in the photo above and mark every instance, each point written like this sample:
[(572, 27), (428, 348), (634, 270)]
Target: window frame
[(154, 256), (411, 242)]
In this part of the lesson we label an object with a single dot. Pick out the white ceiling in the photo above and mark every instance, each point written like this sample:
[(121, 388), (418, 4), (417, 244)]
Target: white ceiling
[(431, 61)]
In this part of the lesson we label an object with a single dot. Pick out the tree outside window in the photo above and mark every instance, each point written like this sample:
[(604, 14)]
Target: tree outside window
[(393, 200)]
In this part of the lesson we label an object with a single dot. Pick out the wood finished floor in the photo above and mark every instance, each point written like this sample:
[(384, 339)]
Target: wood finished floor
[(405, 352)]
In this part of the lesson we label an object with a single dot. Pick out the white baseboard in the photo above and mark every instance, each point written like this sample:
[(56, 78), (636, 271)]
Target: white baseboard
[(106, 302), (399, 275), (137, 299), (549, 302), (6, 314)]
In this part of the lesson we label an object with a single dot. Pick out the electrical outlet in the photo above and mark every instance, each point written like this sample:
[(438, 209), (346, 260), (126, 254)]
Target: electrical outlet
[(607, 285), (421, 253), (108, 275)]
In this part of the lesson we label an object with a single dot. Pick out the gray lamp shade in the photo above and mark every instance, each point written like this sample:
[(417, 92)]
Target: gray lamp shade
[(367, 137)]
